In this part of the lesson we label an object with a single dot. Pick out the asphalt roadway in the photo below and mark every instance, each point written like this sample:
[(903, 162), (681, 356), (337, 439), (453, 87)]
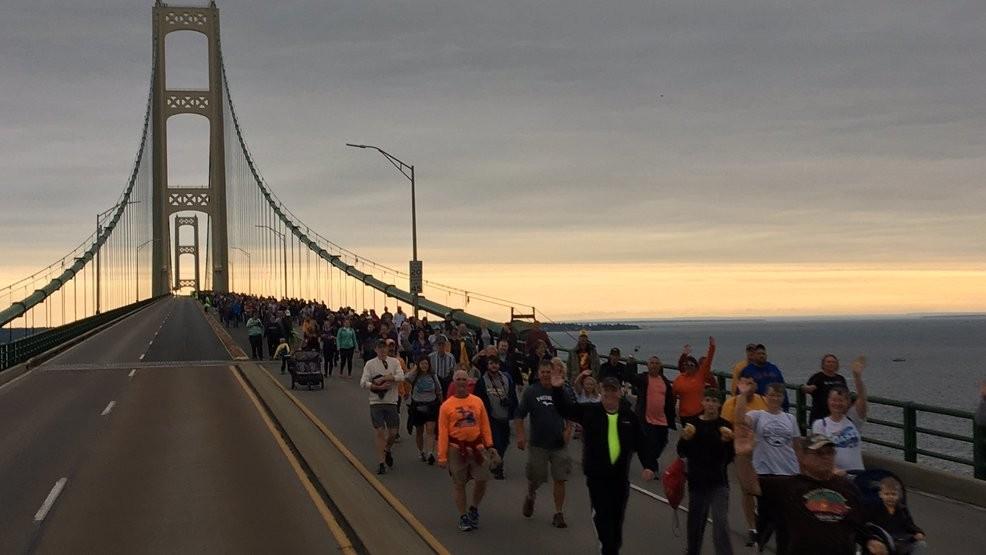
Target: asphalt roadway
[(114, 447), (952, 527)]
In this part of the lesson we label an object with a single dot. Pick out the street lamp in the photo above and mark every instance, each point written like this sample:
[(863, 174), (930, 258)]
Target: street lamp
[(137, 263), (99, 231), (249, 270), (284, 251), (415, 265)]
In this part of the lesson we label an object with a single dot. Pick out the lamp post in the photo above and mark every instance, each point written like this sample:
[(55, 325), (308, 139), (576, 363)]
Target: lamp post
[(249, 270), (99, 231), (284, 252), (415, 265), (137, 264)]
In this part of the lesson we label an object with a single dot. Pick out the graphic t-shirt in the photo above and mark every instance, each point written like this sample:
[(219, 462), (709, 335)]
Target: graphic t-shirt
[(547, 424), (821, 516), (462, 420), (847, 438), (773, 452)]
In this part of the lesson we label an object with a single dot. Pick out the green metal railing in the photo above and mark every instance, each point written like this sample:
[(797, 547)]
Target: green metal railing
[(911, 413), (21, 350)]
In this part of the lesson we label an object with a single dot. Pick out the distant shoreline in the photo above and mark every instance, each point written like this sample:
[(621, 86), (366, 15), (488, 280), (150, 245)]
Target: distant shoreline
[(598, 326)]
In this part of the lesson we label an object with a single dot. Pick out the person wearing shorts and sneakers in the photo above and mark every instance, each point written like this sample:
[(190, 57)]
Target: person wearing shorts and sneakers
[(380, 375), (465, 447), (547, 444)]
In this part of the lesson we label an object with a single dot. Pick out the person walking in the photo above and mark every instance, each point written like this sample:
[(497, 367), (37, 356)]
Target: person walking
[(706, 446), (845, 422), (774, 433), (380, 375), (689, 386), (426, 398), (346, 343), (465, 447), (442, 362), (255, 332), (753, 401), (819, 385), (547, 445), (654, 408), (583, 357), (818, 510), (329, 349), (611, 434), (764, 372), (496, 390)]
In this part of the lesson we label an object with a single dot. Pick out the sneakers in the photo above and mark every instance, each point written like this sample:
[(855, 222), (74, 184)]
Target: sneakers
[(529, 505), (473, 515), (751, 537), (498, 473), (381, 469), (559, 521), (423, 457), (431, 459), (388, 458), (465, 524)]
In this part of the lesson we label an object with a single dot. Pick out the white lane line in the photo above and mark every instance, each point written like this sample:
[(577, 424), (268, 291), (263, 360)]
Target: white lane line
[(108, 408), (50, 500), (142, 357), (134, 371)]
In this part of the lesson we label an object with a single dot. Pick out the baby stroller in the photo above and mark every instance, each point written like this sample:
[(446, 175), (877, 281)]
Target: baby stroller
[(305, 368), (868, 483)]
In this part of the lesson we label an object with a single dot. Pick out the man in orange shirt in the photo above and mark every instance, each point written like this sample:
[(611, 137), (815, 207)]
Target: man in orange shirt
[(464, 426)]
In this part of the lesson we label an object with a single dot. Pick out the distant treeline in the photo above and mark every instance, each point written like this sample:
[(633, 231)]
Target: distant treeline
[(574, 326)]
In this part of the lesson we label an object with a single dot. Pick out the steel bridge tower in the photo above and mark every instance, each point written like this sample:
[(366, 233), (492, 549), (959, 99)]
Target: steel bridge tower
[(210, 198)]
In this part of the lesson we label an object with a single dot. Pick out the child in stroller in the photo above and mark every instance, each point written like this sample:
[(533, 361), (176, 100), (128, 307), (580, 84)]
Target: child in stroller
[(885, 509)]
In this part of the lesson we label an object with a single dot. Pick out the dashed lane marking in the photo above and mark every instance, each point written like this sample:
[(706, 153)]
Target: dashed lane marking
[(56, 490), (134, 371), (108, 408)]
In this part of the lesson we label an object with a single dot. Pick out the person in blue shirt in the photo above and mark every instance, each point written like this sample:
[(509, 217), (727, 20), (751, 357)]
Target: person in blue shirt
[(764, 373)]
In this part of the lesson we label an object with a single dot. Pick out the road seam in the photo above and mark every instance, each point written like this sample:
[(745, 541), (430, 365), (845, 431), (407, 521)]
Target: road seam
[(345, 545), (384, 492), (56, 490), (108, 408)]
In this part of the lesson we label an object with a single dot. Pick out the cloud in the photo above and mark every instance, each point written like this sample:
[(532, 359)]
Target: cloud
[(548, 132)]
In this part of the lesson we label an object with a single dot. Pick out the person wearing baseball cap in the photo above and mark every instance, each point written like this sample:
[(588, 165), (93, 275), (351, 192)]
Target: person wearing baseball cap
[(611, 434), (818, 512)]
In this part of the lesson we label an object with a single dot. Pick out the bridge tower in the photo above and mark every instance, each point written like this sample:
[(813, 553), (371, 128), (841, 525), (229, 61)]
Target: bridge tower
[(209, 198)]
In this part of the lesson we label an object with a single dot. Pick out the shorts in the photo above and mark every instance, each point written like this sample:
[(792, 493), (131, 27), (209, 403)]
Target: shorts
[(419, 414), (384, 415), (464, 470), (538, 459)]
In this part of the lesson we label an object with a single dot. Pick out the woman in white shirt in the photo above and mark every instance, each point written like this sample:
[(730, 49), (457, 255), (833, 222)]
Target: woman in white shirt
[(845, 421)]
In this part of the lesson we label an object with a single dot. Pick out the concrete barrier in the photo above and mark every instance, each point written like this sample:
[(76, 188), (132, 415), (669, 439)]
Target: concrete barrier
[(930, 480)]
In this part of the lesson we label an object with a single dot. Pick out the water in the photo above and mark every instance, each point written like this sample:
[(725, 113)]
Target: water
[(944, 361)]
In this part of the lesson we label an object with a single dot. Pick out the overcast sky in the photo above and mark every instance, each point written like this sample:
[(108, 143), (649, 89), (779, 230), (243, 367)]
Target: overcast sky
[(545, 134)]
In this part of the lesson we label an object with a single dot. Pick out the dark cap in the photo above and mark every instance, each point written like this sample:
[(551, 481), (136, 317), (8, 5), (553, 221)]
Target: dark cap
[(610, 382), (814, 442), (750, 347), (614, 351), (381, 342)]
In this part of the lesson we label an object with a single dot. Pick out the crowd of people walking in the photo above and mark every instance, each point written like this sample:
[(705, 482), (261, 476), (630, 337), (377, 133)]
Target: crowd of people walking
[(467, 391)]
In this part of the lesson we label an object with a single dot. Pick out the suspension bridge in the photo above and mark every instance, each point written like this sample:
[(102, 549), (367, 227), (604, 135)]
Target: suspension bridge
[(130, 421)]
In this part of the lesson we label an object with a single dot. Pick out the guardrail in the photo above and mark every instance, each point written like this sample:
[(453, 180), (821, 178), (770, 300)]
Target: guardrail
[(910, 415), (21, 350)]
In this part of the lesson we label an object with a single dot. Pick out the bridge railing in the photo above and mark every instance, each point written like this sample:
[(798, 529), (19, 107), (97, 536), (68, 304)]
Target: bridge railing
[(21, 350), (911, 414)]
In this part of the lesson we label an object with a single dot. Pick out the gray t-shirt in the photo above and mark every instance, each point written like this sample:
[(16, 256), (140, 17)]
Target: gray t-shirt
[(774, 450), (424, 388), (547, 425)]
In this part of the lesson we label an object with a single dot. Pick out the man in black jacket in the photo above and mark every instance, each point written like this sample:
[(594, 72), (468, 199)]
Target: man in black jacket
[(610, 434)]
